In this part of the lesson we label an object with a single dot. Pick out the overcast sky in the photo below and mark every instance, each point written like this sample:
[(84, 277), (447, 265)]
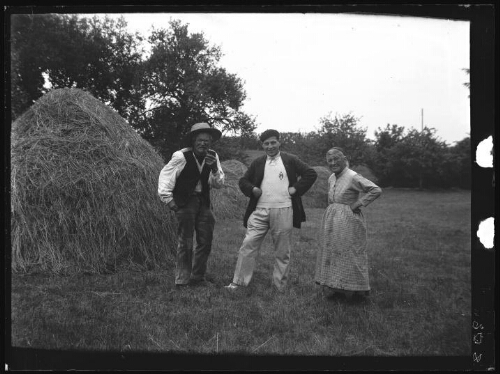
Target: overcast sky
[(298, 68)]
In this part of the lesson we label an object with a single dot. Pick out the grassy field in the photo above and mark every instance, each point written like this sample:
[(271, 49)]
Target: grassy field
[(420, 305)]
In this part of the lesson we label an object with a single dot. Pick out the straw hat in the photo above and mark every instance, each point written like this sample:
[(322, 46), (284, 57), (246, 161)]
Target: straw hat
[(203, 127)]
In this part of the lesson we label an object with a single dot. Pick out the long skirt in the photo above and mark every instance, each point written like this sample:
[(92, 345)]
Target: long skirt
[(342, 261)]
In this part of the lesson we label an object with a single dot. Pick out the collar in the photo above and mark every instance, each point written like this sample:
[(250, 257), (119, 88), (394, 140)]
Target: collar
[(275, 158), (342, 172)]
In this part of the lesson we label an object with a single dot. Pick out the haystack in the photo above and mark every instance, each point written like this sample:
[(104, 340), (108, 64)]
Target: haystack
[(84, 190), (317, 195), (229, 201)]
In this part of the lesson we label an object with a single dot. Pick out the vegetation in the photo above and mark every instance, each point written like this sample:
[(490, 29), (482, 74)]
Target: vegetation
[(67, 51), (418, 158), (184, 84), (419, 252)]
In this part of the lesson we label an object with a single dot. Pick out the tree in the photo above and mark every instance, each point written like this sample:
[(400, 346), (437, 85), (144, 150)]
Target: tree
[(411, 159), (97, 55), (343, 131), (183, 84), (307, 146), (459, 161), (380, 159), (31, 51), (388, 137)]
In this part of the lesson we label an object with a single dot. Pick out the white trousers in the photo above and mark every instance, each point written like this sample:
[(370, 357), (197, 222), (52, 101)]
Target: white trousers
[(280, 222)]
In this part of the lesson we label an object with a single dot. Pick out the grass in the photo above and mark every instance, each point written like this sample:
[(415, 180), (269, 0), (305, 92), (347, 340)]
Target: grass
[(420, 305)]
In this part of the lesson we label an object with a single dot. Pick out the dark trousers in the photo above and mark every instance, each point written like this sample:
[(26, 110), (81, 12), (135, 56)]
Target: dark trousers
[(195, 216)]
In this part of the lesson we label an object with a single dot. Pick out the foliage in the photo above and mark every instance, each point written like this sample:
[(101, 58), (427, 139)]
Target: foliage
[(340, 131), (418, 158), (229, 148), (250, 141), (31, 51), (97, 55), (457, 164), (307, 146), (183, 84), (344, 131)]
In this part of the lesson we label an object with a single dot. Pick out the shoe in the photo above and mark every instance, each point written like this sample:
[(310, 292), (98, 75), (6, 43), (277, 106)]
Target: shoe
[(232, 286)]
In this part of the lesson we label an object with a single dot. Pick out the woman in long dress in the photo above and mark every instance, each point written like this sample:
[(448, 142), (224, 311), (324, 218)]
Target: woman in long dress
[(342, 261)]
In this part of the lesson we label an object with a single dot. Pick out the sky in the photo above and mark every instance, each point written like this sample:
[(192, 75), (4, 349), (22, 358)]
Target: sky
[(298, 68)]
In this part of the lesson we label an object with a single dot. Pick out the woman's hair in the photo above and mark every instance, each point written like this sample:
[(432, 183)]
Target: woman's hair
[(338, 149)]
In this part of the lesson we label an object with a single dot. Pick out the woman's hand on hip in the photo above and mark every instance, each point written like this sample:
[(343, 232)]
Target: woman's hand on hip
[(355, 207)]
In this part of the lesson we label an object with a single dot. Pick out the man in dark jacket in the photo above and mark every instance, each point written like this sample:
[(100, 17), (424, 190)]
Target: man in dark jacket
[(273, 185), (184, 185)]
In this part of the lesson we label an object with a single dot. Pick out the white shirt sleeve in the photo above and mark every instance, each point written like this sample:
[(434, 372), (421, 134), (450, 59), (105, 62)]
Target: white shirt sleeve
[(168, 176), (216, 180)]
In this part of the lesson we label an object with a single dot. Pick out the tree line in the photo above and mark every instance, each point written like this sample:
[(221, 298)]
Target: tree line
[(398, 157), (162, 90)]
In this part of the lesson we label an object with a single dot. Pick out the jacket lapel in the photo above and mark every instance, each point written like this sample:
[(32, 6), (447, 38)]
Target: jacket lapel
[(259, 170), (288, 168)]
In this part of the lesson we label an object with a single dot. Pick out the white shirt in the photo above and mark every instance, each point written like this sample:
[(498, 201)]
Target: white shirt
[(172, 170), (274, 185)]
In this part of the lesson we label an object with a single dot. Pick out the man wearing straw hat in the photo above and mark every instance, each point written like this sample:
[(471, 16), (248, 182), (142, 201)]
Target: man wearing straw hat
[(274, 182), (184, 185)]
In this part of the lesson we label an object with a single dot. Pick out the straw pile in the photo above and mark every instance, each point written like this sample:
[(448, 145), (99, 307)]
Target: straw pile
[(84, 190), (229, 201), (317, 195)]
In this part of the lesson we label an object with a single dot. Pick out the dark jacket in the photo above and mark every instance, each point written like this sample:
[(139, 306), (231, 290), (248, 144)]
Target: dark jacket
[(295, 168), (188, 179)]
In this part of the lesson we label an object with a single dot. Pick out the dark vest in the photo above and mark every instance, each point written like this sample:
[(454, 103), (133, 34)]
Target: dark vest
[(187, 180)]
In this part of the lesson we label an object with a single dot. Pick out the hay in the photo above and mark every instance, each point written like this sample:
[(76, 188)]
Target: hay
[(84, 190), (317, 195), (228, 201)]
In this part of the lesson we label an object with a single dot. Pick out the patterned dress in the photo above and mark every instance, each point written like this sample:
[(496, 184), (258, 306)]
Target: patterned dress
[(342, 261)]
